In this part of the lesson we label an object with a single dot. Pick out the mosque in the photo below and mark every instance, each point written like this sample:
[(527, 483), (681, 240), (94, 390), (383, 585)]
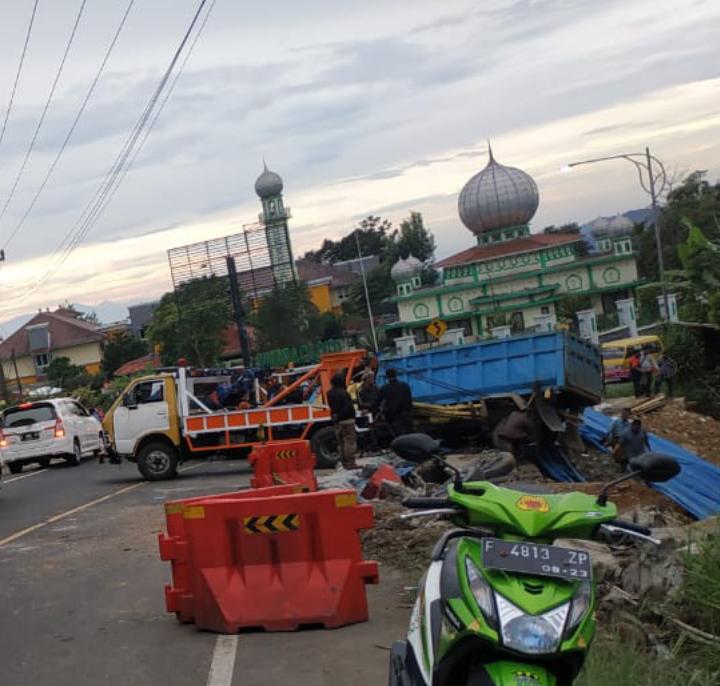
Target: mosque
[(512, 280)]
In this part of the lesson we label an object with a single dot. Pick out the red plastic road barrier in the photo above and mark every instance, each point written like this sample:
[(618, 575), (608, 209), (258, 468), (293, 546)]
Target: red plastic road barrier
[(268, 558), (383, 473), (283, 462)]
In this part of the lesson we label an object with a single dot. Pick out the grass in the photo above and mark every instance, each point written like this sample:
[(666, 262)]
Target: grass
[(619, 390)]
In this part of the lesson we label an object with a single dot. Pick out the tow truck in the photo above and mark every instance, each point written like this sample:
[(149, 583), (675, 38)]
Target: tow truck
[(163, 419)]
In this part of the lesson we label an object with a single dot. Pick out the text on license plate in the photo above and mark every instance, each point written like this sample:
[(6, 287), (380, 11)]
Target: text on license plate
[(536, 559)]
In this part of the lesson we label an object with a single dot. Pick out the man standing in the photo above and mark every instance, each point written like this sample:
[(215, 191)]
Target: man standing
[(395, 399), (635, 373), (368, 395), (343, 416), (667, 371), (617, 429), (634, 441), (648, 369)]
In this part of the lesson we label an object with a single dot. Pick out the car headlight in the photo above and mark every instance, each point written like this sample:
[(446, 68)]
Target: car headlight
[(579, 607), (532, 634), (482, 592)]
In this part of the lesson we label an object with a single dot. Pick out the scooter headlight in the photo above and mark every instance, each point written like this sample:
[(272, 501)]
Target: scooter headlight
[(531, 634), (579, 606), (482, 591)]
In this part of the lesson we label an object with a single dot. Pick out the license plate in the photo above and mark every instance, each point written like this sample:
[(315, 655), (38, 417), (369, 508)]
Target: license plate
[(536, 559), (32, 436)]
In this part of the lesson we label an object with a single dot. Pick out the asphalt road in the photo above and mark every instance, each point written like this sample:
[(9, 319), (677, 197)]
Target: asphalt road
[(81, 593)]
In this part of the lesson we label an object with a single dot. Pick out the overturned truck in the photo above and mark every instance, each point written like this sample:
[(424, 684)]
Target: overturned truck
[(465, 392)]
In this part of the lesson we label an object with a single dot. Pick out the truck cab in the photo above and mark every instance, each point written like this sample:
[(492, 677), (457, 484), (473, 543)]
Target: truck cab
[(143, 425)]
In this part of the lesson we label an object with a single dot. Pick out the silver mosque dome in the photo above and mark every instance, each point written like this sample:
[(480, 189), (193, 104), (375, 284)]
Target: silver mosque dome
[(406, 269), (497, 197), (620, 225), (604, 227), (268, 183)]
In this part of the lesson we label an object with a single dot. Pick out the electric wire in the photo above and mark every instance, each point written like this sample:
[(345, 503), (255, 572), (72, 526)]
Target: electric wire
[(98, 202), (19, 71), (73, 126), (28, 152)]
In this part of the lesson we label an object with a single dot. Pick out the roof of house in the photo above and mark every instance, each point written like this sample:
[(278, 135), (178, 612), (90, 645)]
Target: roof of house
[(538, 241), (65, 327), (310, 271), (139, 364)]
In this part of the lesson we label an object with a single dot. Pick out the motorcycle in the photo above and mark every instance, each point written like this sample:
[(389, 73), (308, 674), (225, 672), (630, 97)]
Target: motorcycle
[(499, 604)]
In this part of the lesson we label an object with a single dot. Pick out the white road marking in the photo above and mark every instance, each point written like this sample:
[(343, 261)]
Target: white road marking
[(24, 476), (79, 508), (223, 661)]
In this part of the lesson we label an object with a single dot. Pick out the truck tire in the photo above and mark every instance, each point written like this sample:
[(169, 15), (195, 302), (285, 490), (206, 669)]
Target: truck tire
[(15, 467), (324, 444), (157, 461)]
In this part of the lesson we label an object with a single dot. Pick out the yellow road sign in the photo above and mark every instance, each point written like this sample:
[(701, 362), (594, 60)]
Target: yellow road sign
[(436, 328)]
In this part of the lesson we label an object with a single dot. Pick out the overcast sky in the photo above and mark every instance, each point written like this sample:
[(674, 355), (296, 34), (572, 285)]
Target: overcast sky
[(363, 107)]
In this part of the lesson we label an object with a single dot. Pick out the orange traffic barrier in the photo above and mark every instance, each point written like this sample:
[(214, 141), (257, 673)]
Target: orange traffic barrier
[(283, 462), (268, 558)]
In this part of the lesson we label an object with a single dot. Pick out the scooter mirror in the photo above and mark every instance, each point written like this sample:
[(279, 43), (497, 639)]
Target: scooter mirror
[(416, 448), (655, 467)]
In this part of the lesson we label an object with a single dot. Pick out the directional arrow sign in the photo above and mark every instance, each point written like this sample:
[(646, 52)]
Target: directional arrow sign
[(436, 328)]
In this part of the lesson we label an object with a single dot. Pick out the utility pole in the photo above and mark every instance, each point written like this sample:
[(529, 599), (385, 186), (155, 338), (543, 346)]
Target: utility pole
[(4, 392), (367, 294), (658, 237), (17, 374), (238, 311)]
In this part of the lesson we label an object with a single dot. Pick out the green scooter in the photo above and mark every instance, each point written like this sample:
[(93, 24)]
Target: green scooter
[(500, 605)]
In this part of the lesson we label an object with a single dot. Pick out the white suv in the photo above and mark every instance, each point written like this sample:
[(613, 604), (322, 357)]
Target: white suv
[(40, 430)]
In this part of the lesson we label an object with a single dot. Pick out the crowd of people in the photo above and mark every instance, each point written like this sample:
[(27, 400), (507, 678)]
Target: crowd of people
[(649, 375), (391, 404)]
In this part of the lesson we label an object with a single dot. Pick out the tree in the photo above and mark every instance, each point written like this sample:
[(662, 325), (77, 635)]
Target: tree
[(701, 259), (285, 317), (190, 321), (695, 200), (412, 238), (372, 234), (91, 317), (61, 372), (121, 349)]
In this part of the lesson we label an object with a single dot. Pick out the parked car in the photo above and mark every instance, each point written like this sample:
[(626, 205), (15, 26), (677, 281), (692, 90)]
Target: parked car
[(35, 432)]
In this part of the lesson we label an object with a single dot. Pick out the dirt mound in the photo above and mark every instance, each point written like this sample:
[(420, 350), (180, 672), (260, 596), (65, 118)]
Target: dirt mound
[(695, 432)]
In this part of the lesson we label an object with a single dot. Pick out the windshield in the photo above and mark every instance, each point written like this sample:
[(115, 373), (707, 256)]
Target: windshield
[(613, 353), (25, 416)]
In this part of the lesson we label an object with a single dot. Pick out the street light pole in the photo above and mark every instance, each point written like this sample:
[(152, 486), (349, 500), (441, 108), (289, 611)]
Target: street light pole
[(367, 293), (658, 237), (644, 163)]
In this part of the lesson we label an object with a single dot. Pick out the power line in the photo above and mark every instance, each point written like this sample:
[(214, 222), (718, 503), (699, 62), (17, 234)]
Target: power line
[(73, 126), (21, 171), (159, 111), (19, 70), (98, 202)]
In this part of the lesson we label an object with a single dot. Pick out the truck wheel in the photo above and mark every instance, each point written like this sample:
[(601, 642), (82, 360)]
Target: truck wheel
[(157, 461), (15, 467), (324, 444), (44, 462)]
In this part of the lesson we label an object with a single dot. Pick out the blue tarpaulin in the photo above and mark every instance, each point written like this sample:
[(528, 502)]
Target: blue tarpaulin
[(555, 464), (696, 488)]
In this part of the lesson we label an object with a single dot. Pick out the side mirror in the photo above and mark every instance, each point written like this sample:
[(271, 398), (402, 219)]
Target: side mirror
[(655, 467), (416, 448)]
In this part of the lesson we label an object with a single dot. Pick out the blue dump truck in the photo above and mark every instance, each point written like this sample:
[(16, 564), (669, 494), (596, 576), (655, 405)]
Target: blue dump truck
[(562, 364), (466, 392)]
